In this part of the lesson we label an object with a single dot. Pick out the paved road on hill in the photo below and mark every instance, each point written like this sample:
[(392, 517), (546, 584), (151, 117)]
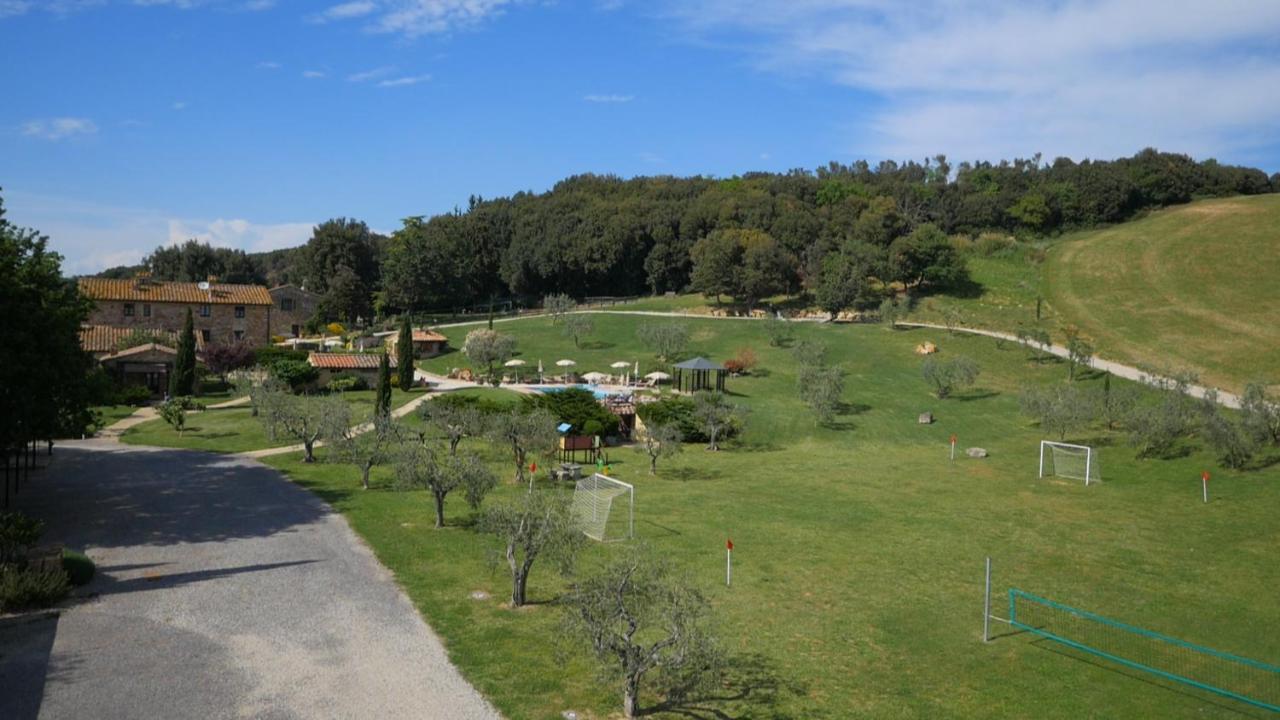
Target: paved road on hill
[(223, 591)]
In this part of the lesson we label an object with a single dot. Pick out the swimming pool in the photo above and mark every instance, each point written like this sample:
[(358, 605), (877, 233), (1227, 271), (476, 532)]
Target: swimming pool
[(600, 394)]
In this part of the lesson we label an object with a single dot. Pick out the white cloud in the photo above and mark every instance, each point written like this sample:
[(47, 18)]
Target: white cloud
[(977, 78), (373, 74), (9, 8), (94, 236), (59, 128), (414, 18), (346, 11), (259, 5), (608, 98), (403, 81), (241, 234), (312, 74), (179, 105), (269, 65)]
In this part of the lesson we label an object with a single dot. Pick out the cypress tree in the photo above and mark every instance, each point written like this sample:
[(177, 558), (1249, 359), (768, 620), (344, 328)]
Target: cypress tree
[(382, 403), (183, 380), (404, 356)]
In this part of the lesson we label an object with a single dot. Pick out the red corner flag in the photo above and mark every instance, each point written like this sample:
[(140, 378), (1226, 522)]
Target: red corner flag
[(728, 544)]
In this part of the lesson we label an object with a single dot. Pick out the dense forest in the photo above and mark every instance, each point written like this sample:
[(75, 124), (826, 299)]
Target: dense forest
[(838, 233)]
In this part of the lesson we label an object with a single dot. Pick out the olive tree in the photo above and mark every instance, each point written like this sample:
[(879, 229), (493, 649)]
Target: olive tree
[(666, 340), (488, 349), (891, 311), (716, 414), (947, 375), (779, 331), (305, 418), (1156, 428), (557, 306), (577, 326), (256, 383), (1079, 353), (451, 421), (1232, 440), (377, 444), (1260, 414), (1060, 409), (820, 385), (534, 431), (1036, 340), (660, 440), (535, 524), (643, 622), (421, 468)]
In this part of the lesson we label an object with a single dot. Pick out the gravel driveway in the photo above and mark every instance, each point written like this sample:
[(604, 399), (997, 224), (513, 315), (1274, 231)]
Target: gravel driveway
[(223, 591)]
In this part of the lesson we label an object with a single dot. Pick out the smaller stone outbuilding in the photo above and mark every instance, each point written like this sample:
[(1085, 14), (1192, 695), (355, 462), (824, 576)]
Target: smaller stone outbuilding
[(292, 307), (426, 343), (363, 365)]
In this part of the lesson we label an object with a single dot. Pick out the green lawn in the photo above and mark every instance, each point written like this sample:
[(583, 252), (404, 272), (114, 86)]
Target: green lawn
[(859, 547), (112, 414), (235, 429)]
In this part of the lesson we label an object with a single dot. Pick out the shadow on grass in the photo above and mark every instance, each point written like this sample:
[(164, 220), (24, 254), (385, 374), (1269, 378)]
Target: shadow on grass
[(693, 473), (752, 686), (596, 345), (664, 531), (1240, 709), (974, 394)]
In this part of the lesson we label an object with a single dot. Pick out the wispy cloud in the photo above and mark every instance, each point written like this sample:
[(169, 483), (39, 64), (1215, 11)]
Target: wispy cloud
[(608, 98), (269, 65), (12, 8), (241, 234), (59, 128), (345, 11), (179, 105), (403, 81), (414, 18), (374, 74), (992, 79), (313, 74)]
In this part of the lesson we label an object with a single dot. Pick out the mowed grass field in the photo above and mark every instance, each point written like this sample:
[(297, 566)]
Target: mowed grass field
[(236, 430), (1198, 285), (859, 547)]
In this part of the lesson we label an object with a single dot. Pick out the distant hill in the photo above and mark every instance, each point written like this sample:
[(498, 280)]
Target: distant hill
[(1198, 285)]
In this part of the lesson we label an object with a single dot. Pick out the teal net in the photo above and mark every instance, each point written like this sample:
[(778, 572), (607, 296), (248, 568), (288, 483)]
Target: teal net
[(1249, 681)]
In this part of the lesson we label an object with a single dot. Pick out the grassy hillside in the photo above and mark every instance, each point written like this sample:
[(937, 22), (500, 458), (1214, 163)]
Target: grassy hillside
[(858, 568), (1191, 287), (1198, 285)]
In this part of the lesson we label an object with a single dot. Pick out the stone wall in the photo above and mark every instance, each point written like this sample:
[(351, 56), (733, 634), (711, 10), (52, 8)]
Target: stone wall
[(221, 325), (285, 322)]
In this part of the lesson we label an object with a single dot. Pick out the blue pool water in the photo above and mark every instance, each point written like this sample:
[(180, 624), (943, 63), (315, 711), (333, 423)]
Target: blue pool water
[(600, 394)]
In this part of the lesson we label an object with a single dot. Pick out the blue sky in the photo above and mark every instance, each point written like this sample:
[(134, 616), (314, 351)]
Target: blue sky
[(133, 123)]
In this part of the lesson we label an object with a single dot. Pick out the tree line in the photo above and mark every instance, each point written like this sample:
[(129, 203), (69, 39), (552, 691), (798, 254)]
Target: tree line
[(824, 232)]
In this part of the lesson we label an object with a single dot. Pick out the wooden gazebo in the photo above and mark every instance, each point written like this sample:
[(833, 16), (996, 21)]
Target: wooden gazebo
[(699, 374)]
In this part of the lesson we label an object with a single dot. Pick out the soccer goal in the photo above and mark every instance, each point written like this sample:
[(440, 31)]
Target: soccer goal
[(1078, 462), (605, 508)]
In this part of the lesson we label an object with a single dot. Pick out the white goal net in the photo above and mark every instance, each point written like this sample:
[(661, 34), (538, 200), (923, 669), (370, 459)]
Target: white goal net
[(605, 508), (1078, 462)]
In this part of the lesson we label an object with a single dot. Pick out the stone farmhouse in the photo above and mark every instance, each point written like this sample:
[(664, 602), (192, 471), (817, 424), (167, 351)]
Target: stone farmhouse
[(292, 307), (222, 313), (364, 365)]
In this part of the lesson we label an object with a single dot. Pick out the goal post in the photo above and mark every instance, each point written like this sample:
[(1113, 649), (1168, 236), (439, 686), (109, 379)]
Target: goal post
[(1078, 462), (604, 508)]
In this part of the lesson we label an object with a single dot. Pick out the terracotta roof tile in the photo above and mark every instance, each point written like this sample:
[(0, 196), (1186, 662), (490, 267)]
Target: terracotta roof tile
[(133, 289), (346, 361), (428, 336), (105, 338)]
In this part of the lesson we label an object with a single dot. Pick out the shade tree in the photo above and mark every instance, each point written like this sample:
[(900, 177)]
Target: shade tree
[(945, 376), (421, 467), (535, 524)]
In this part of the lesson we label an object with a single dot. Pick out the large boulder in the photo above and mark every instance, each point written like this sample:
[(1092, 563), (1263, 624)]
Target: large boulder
[(925, 418), (976, 452)]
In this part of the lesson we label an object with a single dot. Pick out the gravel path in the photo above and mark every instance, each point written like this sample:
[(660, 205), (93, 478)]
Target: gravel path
[(223, 591), (1226, 399)]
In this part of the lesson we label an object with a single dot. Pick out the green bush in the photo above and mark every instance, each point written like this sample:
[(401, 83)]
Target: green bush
[(345, 382), (575, 406), (294, 373), (78, 567), (135, 395), (269, 354), (17, 533), (22, 589), (679, 411), (486, 406)]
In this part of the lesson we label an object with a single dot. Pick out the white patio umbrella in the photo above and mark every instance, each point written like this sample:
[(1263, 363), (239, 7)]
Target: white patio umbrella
[(621, 365), (566, 363), (657, 376), (514, 363), (539, 369), (594, 377)]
